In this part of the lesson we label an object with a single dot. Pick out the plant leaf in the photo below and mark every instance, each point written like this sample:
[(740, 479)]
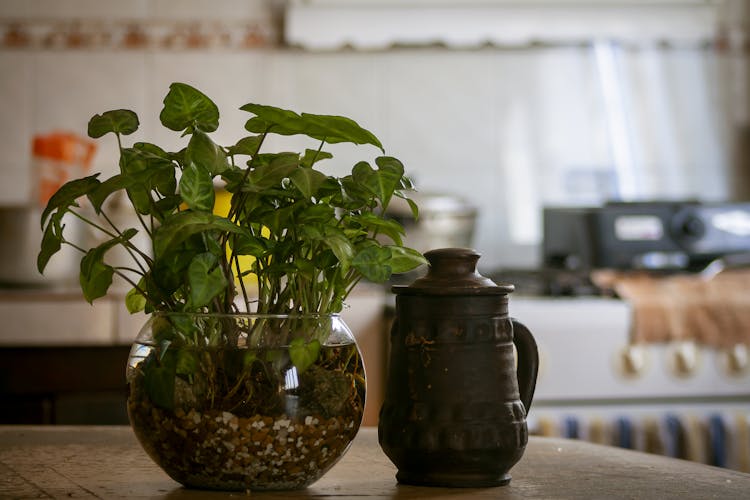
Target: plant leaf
[(374, 263), (313, 156), (375, 224), (158, 378), (321, 213), (383, 181), (390, 174), (246, 146), (161, 163), (51, 244), (182, 225), (119, 121), (270, 118), (244, 244), (197, 188), (328, 128), (303, 354), (270, 175), (206, 153), (404, 259), (186, 108), (134, 169), (334, 129), (66, 196), (99, 195), (206, 279), (187, 362), (135, 301), (336, 240), (308, 181), (96, 276)]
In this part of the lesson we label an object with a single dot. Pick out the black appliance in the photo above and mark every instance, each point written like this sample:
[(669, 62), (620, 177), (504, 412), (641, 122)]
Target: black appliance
[(657, 236)]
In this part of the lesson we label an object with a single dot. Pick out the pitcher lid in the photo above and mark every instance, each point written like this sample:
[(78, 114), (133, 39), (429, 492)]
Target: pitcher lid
[(453, 271)]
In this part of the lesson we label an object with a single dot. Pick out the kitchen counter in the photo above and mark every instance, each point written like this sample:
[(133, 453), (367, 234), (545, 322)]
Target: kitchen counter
[(52, 340), (107, 462)]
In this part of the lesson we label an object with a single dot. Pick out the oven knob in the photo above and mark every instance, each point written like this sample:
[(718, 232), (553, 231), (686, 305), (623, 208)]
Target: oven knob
[(737, 360), (692, 227), (632, 361), (684, 359)]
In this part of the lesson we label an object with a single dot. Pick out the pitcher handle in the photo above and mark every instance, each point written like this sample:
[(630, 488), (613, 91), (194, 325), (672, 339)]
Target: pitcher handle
[(528, 362)]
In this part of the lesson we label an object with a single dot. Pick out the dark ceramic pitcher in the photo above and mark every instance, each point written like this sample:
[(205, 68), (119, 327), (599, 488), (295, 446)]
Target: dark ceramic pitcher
[(455, 404)]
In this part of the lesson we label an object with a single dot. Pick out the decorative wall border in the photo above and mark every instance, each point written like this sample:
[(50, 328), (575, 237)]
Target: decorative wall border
[(138, 34)]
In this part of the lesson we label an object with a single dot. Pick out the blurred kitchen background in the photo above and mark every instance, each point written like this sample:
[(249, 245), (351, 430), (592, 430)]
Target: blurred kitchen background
[(501, 111)]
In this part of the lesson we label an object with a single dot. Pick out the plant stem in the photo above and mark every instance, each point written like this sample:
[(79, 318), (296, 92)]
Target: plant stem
[(242, 282), (127, 248), (112, 235)]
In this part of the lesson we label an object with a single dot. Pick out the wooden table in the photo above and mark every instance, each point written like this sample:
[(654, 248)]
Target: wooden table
[(107, 462)]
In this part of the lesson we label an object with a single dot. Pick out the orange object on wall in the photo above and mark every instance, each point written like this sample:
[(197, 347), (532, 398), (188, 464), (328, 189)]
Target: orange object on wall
[(58, 158)]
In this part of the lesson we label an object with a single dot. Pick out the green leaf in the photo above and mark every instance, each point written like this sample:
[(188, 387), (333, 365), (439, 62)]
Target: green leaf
[(197, 188), (135, 171), (313, 156), (377, 225), (118, 121), (336, 240), (161, 167), (187, 362), (96, 276), (383, 181), (270, 118), (329, 128), (334, 129), (303, 354), (182, 225), (270, 175), (247, 146), (158, 378), (404, 259), (188, 109), (134, 300), (244, 244), (374, 263), (66, 196), (206, 279), (322, 213), (99, 195), (412, 205), (390, 175), (51, 244), (308, 181), (206, 153), (355, 194)]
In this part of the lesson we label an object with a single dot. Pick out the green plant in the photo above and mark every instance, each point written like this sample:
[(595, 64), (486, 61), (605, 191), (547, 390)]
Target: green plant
[(306, 239), (312, 236)]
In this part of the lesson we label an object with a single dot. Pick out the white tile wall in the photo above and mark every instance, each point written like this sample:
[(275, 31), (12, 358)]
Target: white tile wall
[(501, 128), (16, 102), (345, 84), (229, 79), (70, 87)]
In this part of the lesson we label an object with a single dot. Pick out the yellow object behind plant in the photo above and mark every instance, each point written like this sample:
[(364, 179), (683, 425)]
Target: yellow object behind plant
[(221, 207)]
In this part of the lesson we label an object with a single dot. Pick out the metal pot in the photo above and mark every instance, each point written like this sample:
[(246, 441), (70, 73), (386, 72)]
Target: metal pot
[(20, 240), (445, 221)]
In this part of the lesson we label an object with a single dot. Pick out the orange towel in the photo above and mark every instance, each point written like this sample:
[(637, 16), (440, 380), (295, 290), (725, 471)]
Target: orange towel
[(714, 312)]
